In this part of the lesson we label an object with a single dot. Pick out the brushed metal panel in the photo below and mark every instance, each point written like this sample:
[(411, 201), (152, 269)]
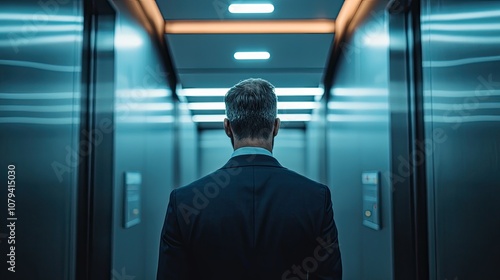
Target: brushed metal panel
[(358, 140), (40, 50), (462, 89), (144, 141)]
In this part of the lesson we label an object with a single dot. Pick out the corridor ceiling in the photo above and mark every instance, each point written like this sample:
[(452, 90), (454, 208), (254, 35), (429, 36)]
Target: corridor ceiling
[(299, 46)]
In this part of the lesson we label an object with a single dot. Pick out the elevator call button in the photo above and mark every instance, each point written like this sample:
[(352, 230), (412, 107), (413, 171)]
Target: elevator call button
[(371, 199)]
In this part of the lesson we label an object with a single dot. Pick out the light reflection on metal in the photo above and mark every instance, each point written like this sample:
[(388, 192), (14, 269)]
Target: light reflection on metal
[(41, 66), (139, 93), (39, 108), (18, 40), (39, 18), (340, 91), (127, 40), (44, 28), (39, 120), (358, 118), (335, 105), (376, 40), (462, 16), (462, 39), (120, 107), (461, 27), (37, 95), (146, 119), (458, 62)]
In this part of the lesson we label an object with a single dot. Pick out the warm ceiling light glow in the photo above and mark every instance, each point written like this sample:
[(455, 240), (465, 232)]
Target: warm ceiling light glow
[(314, 26), (206, 92), (251, 55), (251, 8)]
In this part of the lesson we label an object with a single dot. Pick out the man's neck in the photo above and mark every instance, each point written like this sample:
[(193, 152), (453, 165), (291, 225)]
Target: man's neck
[(258, 143)]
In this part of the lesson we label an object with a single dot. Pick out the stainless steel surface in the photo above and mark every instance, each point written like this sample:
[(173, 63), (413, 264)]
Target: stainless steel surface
[(144, 141), (462, 100), (40, 51), (358, 140)]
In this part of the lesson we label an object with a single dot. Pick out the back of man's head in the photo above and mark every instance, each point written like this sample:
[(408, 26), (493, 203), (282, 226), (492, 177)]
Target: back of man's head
[(251, 108)]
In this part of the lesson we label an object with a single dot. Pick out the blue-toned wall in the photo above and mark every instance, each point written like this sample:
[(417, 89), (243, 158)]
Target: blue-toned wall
[(145, 116), (357, 137), (40, 68), (461, 76)]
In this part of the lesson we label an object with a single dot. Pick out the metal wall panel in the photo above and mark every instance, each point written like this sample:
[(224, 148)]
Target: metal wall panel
[(40, 65), (144, 142), (358, 139), (186, 146), (316, 155), (460, 41)]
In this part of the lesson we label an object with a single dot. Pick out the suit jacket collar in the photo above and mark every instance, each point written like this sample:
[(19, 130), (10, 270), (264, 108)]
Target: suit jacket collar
[(252, 160)]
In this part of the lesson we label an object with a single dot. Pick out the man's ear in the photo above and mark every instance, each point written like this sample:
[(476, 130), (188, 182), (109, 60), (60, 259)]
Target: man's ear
[(227, 128), (277, 123)]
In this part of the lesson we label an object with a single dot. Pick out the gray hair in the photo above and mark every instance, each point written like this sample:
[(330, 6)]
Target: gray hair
[(251, 108)]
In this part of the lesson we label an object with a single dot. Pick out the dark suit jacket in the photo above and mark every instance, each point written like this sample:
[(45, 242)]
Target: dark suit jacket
[(251, 219)]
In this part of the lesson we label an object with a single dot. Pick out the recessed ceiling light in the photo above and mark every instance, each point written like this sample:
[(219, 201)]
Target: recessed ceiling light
[(283, 118), (251, 8), (197, 92), (302, 105), (251, 55)]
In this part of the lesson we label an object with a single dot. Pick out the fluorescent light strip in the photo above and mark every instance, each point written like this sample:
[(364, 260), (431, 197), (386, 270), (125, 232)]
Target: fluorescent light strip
[(315, 26), (281, 106), (251, 55), (251, 8), (208, 92), (283, 118)]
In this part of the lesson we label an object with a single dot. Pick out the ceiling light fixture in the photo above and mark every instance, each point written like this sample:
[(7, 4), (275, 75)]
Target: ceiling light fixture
[(299, 105), (283, 118), (311, 26), (206, 92), (251, 55), (251, 8)]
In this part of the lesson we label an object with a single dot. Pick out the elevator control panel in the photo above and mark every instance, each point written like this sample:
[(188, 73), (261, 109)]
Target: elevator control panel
[(132, 195), (371, 199)]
